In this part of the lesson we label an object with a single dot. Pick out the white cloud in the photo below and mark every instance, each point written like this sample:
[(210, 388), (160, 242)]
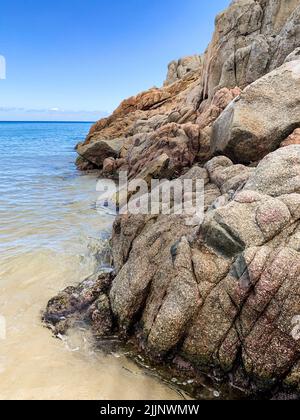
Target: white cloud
[(2, 67), (50, 114)]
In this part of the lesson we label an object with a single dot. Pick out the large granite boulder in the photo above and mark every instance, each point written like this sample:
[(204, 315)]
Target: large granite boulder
[(263, 116), (97, 152), (278, 173)]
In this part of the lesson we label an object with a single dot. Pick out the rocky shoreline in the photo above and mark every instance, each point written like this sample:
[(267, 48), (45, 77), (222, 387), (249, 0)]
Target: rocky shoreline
[(220, 297)]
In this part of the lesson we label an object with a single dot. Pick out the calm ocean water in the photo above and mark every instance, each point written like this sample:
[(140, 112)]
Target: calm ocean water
[(49, 234)]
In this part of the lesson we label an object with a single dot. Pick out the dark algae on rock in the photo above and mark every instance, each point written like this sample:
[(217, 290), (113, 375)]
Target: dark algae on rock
[(214, 303)]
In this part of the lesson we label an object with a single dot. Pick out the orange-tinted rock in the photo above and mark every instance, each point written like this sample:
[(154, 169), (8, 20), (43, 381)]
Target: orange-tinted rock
[(144, 106), (220, 101), (294, 138)]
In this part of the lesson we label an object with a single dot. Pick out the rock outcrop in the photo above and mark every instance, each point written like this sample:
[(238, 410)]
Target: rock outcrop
[(223, 294), (252, 38), (177, 70), (219, 292), (139, 117)]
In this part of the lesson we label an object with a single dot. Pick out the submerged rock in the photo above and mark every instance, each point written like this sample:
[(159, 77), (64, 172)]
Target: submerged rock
[(74, 303), (100, 317), (97, 152)]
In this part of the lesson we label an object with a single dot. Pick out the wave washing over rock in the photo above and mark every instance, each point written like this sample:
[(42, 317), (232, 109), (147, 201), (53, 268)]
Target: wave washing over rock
[(220, 297)]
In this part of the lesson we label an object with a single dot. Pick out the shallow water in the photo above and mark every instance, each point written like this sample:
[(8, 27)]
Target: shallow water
[(49, 234)]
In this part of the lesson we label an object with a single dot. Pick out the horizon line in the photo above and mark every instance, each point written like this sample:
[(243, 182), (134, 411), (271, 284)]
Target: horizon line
[(46, 121)]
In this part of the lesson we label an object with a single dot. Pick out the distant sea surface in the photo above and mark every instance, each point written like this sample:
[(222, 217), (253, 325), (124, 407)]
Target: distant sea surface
[(50, 232)]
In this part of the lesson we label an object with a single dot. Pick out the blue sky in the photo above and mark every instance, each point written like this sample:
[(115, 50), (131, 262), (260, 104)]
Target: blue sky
[(77, 59)]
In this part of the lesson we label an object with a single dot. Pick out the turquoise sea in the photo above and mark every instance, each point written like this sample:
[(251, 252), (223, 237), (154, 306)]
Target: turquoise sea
[(50, 233)]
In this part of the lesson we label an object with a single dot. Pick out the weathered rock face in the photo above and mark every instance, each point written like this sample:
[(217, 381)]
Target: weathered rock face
[(226, 287), (263, 116), (180, 143), (131, 287), (251, 38)]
